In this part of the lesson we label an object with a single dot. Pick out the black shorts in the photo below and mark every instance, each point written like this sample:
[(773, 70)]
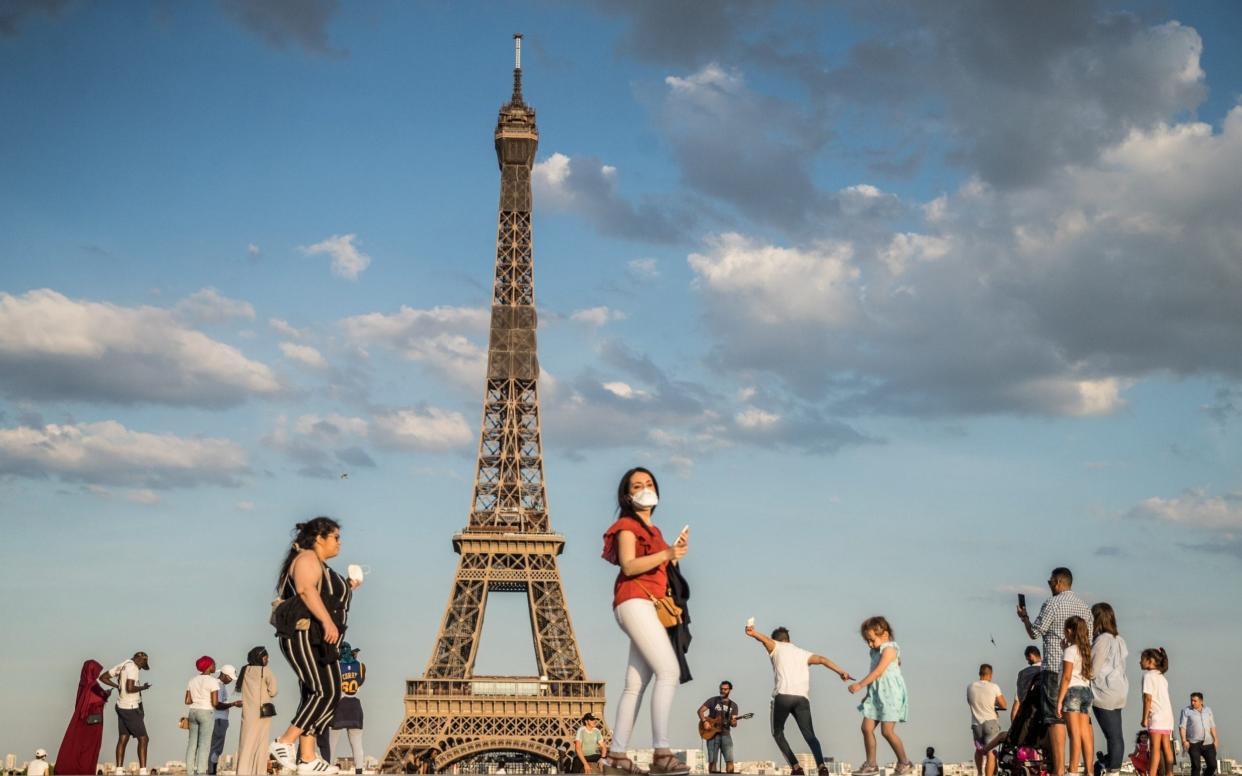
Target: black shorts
[(348, 714), (131, 722)]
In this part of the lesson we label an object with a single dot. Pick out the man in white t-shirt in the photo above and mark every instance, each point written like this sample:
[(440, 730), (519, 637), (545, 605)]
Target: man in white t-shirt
[(791, 666), (130, 715), (38, 766), (984, 697), (932, 766)]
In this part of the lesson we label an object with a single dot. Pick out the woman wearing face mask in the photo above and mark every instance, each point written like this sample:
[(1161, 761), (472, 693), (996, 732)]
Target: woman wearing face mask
[(636, 544)]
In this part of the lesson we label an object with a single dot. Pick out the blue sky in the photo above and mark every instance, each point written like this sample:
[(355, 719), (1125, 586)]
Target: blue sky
[(904, 303)]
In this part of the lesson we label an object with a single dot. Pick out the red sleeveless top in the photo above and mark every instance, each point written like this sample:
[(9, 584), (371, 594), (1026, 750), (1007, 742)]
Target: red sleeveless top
[(652, 584)]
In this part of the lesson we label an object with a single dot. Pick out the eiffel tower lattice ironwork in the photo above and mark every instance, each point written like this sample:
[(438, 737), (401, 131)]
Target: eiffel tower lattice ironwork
[(508, 545)]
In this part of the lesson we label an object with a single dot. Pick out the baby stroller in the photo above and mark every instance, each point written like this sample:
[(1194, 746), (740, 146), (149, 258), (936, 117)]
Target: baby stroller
[(1024, 748)]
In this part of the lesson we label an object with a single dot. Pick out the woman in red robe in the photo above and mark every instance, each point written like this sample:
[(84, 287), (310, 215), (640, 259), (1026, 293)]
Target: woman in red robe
[(79, 751)]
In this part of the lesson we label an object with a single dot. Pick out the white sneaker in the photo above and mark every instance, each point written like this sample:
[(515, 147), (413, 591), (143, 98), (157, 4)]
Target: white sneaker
[(142, 772), (283, 754), (317, 767)]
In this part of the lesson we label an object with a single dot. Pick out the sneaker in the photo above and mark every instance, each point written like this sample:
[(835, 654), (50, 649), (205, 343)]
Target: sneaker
[(142, 772), (796, 770), (317, 767), (903, 768), (283, 754), (867, 769)]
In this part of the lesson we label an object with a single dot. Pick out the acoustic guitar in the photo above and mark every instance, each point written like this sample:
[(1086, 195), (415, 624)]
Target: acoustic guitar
[(708, 728)]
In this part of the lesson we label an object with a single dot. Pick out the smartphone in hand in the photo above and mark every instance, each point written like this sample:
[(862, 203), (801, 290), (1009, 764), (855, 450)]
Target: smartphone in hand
[(1022, 600)]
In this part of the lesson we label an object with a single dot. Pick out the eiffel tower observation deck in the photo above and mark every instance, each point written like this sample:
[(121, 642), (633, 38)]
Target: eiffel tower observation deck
[(453, 716)]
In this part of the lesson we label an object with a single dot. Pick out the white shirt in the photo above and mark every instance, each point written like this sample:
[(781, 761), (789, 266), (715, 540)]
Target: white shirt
[(793, 673), (933, 767), (122, 674), (223, 698), (1155, 685), (200, 688), (981, 697), (37, 767), (1072, 657)]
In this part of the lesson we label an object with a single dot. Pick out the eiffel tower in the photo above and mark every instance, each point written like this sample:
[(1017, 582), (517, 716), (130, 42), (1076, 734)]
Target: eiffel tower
[(451, 715)]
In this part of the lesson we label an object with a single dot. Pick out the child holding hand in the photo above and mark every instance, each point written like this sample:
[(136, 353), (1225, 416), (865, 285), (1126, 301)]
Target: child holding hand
[(885, 702)]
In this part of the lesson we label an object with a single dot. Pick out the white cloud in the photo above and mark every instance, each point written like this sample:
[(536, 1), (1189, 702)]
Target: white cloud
[(771, 284), (144, 496), (244, 506), (209, 306), (438, 338), (1051, 299), (347, 261), (303, 354), (643, 269), (1195, 508), (754, 418), (906, 248), (549, 178), (430, 430), (283, 327), (107, 453), (590, 188), (252, 250), (53, 347), (625, 390), (597, 316)]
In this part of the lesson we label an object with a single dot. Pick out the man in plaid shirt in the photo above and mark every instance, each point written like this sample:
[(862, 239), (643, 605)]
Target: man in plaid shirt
[(1050, 624)]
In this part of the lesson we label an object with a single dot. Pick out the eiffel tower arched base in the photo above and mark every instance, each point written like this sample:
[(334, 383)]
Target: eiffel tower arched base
[(449, 720)]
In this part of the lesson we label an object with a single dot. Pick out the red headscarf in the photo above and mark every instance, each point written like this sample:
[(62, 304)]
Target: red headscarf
[(88, 684), (204, 663)]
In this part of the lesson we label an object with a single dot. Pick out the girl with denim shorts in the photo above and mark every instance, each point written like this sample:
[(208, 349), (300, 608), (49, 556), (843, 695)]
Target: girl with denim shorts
[(1074, 697)]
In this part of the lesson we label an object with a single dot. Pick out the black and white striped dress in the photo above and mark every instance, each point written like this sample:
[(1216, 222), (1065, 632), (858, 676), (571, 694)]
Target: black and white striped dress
[(318, 680)]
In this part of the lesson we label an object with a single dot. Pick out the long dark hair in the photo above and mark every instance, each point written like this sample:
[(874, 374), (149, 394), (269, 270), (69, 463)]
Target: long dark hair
[(1076, 633), (304, 538), (624, 505), (1104, 619)]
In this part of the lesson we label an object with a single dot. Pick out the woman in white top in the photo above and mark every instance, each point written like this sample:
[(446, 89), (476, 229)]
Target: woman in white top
[(202, 695), (1109, 685), (1074, 697), (1157, 708)]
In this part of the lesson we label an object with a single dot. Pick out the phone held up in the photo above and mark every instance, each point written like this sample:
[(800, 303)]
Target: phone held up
[(1022, 600)]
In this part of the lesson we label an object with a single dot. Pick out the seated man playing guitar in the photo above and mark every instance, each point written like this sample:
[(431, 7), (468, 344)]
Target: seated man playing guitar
[(717, 718)]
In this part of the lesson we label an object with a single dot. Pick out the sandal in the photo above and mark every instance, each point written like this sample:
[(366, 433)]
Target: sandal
[(668, 765), (620, 764)]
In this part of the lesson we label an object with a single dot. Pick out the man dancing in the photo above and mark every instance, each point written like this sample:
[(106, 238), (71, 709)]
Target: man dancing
[(791, 694)]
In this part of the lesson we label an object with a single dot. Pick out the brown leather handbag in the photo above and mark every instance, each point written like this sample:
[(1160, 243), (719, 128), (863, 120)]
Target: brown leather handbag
[(667, 610)]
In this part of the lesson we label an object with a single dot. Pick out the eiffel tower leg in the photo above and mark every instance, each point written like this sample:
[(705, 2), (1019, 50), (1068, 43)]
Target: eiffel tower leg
[(458, 642)]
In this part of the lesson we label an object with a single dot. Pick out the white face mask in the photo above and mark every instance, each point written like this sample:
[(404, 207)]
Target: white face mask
[(644, 499)]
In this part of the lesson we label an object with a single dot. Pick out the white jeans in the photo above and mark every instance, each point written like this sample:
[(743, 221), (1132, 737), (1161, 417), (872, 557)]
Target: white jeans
[(651, 653)]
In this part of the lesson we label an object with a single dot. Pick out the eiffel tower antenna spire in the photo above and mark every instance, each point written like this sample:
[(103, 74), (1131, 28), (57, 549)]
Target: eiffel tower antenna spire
[(517, 68), (453, 715)]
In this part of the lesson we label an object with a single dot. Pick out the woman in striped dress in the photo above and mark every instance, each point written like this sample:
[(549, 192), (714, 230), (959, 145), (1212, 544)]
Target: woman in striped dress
[(309, 625)]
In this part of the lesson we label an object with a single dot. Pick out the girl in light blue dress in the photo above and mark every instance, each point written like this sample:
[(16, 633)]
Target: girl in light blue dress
[(885, 702)]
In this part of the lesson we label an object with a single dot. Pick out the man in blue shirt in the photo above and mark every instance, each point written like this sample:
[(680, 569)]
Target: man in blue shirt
[(1197, 728)]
